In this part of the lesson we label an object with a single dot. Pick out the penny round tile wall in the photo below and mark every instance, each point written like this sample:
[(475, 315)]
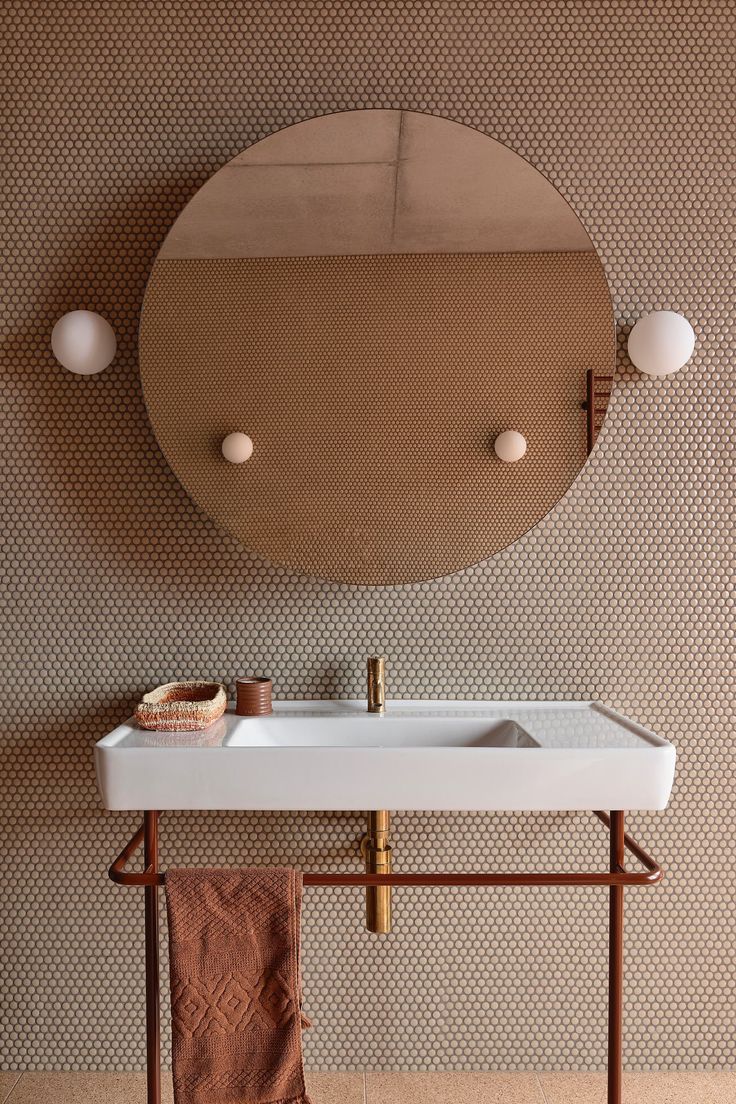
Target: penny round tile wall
[(113, 581)]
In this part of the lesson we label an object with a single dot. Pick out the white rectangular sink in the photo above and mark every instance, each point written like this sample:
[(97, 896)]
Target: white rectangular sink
[(418, 755)]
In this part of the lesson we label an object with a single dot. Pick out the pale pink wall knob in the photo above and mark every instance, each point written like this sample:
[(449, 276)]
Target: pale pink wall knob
[(510, 446), (83, 342), (237, 448)]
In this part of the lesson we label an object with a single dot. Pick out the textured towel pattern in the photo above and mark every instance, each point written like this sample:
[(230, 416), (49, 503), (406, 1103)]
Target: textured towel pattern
[(235, 986)]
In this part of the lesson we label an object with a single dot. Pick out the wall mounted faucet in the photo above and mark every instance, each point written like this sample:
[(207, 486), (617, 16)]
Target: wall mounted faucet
[(376, 684)]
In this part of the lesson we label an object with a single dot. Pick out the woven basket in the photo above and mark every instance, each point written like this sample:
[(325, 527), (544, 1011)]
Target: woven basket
[(182, 706)]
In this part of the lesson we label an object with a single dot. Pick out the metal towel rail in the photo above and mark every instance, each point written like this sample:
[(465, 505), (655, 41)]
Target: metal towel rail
[(615, 878)]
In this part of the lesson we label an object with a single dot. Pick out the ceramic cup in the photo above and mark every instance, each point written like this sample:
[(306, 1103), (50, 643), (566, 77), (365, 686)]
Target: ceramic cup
[(253, 696)]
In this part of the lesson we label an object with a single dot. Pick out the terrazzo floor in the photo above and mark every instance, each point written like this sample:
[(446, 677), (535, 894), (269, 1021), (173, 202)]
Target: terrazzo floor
[(398, 1088)]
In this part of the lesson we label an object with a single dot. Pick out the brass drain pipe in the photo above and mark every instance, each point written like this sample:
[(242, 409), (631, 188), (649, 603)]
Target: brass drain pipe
[(377, 854)]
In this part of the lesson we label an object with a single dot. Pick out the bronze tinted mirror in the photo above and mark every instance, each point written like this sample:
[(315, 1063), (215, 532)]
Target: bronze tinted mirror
[(373, 297)]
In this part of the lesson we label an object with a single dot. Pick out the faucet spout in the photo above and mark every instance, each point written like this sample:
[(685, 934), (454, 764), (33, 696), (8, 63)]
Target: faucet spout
[(376, 684)]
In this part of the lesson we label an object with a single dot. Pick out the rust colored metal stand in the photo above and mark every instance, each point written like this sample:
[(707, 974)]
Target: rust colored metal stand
[(617, 839), (153, 1002), (616, 878)]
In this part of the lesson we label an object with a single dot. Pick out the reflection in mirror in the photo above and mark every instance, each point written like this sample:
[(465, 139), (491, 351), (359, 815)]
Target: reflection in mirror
[(375, 297)]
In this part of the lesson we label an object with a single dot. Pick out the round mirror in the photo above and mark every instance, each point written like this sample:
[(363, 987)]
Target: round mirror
[(372, 299)]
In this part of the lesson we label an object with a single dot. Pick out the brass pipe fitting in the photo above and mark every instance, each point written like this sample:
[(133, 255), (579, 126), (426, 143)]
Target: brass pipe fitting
[(377, 854)]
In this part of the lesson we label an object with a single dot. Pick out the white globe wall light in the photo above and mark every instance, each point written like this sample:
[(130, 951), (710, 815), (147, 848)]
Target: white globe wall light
[(510, 446), (83, 342), (237, 448), (661, 343)]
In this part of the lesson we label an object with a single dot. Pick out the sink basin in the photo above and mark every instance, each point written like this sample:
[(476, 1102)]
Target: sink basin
[(362, 730), (418, 755)]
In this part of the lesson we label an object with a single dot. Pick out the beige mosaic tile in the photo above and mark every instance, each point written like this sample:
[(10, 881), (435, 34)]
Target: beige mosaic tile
[(114, 582)]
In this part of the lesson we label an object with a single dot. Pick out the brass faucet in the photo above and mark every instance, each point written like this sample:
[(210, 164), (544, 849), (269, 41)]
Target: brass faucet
[(376, 684)]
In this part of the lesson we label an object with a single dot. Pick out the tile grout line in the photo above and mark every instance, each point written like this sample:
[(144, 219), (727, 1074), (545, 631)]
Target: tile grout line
[(12, 1089), (365, 1088), (541, 1088)]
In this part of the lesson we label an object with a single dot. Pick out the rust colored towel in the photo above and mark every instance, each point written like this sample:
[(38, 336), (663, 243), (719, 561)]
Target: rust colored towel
[(236, 986)]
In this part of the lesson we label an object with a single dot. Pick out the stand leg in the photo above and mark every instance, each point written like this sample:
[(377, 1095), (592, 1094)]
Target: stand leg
[(615, 961), (153, 1025)]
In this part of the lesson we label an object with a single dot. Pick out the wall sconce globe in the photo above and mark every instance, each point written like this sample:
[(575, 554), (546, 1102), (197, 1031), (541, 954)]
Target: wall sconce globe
[(83, 342), (237, 448), (661, 343), (510, 446)]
